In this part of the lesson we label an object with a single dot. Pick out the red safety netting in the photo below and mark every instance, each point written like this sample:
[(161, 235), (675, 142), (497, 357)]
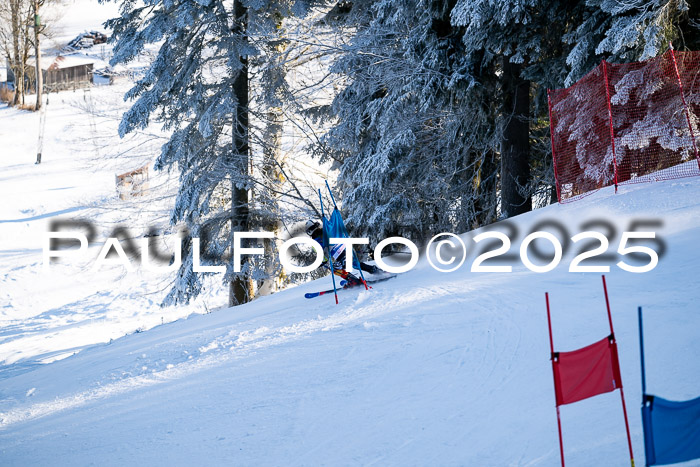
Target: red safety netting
[(628, 123)]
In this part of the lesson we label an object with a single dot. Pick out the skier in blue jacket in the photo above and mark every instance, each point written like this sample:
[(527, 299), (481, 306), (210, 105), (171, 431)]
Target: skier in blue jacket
[(337, 252)]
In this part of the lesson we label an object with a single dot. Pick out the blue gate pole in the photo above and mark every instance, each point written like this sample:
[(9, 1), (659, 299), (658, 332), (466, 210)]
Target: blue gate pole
[(330, 260), (641, 353), (331, 193)]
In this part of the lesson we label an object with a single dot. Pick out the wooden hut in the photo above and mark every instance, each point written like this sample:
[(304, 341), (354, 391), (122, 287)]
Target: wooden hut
[(61, 72)]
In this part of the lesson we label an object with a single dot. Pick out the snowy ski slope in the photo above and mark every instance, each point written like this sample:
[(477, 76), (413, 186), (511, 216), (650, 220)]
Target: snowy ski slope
[(425, 369)]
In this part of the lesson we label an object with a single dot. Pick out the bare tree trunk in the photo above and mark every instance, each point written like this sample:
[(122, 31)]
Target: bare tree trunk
[(515, 145), (272, 163), (240, 287), (273, 176), (16, 63), (23, 74), (485, 192), (37, 46), (24, 31)]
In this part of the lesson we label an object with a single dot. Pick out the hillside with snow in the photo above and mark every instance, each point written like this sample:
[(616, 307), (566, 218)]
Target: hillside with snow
[(428, 368), (48, 315)]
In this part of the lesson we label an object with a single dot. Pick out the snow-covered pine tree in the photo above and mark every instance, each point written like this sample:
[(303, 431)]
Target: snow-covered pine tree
[(628, 31), (437, 98), (521, 42), (413, 134), (198, 88)]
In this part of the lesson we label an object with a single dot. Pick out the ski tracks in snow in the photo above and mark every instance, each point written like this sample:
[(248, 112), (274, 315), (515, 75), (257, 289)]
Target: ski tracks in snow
[(161, 362)]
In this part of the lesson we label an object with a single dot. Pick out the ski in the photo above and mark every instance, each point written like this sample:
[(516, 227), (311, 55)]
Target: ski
[(347, 285), (343, 283), (380, 279), (318, 294)]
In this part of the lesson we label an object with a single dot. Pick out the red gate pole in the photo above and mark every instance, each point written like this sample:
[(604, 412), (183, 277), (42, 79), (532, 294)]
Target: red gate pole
[(622, 392), (561, 445), (687, 110), (551, 348), (627, 426), (612, 135), (607, 304)]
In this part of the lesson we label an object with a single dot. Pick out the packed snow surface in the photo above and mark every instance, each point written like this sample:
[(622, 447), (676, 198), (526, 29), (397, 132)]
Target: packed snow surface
[(428, 368)]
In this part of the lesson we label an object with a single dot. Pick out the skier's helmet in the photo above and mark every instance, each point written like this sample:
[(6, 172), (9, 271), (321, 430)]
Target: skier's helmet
[(311, 227)]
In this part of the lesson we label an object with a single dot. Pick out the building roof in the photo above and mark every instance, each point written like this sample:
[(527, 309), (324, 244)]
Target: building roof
[(53, 62)]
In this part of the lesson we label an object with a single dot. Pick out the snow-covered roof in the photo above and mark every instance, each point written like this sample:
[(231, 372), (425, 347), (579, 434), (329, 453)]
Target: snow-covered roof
[(62, 61)]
